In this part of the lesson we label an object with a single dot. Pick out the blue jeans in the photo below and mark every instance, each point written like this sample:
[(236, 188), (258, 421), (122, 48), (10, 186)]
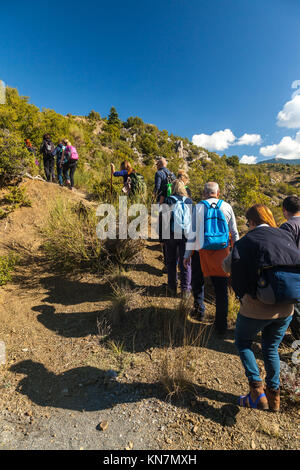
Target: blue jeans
[(272, 333)]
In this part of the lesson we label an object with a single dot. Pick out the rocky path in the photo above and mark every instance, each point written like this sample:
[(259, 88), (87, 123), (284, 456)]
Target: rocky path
[(62, 387)]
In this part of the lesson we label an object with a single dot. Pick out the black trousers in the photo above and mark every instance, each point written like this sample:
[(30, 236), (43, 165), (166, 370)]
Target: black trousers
[(49, 168)]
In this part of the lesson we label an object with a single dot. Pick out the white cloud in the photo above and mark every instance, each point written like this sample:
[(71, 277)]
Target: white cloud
[(248, 159), (289, 116), (287, 148), (219, 140), (249, 139)]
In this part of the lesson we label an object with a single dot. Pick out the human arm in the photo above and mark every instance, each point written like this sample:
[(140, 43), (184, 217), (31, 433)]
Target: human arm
[(233, 227)]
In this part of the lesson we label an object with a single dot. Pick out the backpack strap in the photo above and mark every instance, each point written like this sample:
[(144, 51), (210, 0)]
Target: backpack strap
[(219, 204), (205, 203)]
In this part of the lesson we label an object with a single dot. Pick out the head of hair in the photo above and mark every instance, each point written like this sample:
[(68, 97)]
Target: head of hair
[(161, 162), (66, 142), (126, 165), (183, 176), (47, 137), (178, 188), (260, 214), (211, 188), (291, 204)]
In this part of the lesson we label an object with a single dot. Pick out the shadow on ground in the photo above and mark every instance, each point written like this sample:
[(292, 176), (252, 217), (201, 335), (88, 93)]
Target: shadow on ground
[(91, 389)]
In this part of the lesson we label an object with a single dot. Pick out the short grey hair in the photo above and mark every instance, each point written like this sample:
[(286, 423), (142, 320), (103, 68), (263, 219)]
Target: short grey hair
[(162, 161), (211, 188)]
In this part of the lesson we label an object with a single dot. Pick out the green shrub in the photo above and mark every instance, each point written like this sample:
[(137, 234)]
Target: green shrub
[(7, 265)]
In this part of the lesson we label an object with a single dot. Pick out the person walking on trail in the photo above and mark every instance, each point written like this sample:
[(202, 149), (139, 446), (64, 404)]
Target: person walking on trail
[(162, 189), (133, 182), (69, 160), (175, 222), (46, 150), (163, 180), (291, 211), (214, 230), (253, 281), (57, 152)]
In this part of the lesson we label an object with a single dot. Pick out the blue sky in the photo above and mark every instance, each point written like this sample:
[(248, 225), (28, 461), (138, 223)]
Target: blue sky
[(214, 71)]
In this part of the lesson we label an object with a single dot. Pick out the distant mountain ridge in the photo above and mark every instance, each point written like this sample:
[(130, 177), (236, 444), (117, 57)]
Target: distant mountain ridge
[(283, 161)]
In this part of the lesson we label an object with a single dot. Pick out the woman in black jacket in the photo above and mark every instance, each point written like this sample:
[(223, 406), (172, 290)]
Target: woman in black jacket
[(263, 246)]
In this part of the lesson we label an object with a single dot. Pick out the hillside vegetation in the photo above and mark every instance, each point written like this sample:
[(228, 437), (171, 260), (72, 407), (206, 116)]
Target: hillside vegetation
[(97, 355), (101, 141)]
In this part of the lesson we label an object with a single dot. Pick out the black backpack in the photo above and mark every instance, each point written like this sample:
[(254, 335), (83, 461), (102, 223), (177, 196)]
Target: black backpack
[(48, 148), (166, 185)]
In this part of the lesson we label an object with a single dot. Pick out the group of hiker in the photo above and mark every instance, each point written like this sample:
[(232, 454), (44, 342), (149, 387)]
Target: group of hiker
[(202, 240), (63, 156), (264, 267)]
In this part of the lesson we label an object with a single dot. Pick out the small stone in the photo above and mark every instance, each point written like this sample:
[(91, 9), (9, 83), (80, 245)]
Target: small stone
[(195, 429), (103, 425), (253, 446)]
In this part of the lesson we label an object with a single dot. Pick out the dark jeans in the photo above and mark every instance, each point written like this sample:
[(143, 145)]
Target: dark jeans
[(295, 323), (272, 333), (69, 171), (197, 282), (49, 168), (221, 291), (59, 174), (220, 285), (175, 250)]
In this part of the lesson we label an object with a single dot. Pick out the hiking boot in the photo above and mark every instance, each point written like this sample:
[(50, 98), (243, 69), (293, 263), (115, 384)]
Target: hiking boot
[(197, 313), (256, 397), (273, 397)]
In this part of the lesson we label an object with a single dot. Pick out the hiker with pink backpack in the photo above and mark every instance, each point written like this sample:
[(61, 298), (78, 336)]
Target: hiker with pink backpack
[(68, 162)]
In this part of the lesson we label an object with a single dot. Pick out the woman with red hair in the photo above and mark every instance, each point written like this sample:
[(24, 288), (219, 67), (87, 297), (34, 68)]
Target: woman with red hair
[(263, 246)]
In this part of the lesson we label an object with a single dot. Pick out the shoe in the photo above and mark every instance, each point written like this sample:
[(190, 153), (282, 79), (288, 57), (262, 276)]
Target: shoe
[(197, 313), (256, 398), (273, 397)]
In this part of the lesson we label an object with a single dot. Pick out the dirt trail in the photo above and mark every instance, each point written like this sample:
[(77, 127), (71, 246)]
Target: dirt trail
[(60, 381)]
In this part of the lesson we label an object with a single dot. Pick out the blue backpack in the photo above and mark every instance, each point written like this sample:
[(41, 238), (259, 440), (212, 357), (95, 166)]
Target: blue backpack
[(216, 232), (279, 285), (182, 216)]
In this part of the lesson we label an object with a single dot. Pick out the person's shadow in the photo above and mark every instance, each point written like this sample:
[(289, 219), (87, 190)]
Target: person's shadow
[(91, 389)]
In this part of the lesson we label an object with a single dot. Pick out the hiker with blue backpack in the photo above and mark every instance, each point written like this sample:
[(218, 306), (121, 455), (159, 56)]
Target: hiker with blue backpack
[(176, 220), (213, 231), (265, 271), (57, 152), (68, 162)]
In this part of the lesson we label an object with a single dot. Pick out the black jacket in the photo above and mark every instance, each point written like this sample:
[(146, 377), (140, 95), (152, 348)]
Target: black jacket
[(261, 247)]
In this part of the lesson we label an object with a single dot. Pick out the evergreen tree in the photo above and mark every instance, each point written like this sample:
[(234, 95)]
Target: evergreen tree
[(113, 118)]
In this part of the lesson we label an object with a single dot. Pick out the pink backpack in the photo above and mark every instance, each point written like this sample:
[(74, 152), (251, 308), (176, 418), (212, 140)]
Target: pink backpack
[(71, 153)]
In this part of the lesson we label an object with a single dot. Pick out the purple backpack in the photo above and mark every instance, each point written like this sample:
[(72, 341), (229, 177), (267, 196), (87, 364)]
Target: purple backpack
[(71, 153)]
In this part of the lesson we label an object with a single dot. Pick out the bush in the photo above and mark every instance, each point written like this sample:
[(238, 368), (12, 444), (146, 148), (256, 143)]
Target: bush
[(15, 159), (70, 237), (7, 264)]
